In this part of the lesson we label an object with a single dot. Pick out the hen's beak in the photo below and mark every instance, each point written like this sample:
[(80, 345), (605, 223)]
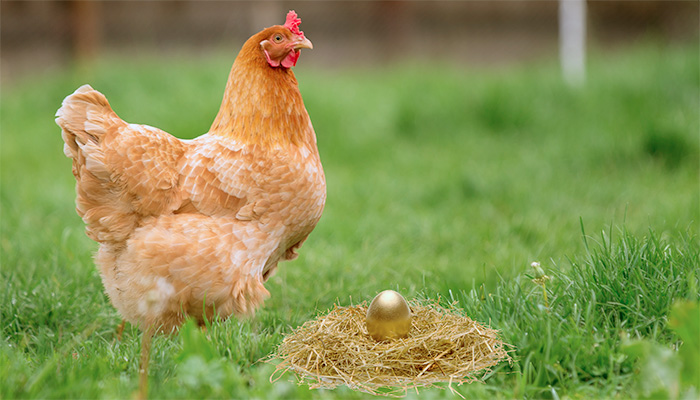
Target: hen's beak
[(303, 43)]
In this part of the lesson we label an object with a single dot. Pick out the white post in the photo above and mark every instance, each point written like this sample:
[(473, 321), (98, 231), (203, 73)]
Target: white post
[(572, 40)]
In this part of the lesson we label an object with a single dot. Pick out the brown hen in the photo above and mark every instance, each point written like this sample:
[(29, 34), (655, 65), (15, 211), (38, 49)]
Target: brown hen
[(189, 228)]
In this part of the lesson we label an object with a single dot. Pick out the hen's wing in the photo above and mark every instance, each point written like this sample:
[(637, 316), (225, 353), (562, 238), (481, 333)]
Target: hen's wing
[(220, 179), (123, 171)]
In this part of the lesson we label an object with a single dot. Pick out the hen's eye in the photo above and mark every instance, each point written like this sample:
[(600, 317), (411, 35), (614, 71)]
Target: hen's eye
[(277, 38)]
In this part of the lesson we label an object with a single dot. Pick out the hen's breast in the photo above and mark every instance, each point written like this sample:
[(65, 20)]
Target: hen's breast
[(295, 189)]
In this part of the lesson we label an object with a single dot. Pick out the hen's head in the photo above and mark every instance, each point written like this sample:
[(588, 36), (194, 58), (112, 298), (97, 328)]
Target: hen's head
[(282, 44)]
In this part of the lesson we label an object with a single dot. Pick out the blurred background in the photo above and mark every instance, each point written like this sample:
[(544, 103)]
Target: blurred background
[(40, 35)]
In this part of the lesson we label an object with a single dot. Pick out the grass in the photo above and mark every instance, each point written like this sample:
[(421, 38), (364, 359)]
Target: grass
[(595, 304), (442, 182)]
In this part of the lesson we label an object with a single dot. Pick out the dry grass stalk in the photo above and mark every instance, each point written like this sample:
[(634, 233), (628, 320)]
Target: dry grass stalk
[(443, 346)]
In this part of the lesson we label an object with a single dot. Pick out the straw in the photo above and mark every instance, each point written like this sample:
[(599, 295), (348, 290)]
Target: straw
[(443, 346)]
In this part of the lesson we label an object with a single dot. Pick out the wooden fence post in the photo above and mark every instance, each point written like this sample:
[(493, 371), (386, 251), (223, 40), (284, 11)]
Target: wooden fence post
[(572, 40)]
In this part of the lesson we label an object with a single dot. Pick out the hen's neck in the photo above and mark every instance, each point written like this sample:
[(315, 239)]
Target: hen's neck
[(263, 106)]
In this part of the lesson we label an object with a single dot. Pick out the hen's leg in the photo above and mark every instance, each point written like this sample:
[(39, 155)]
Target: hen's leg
[(146, 338), (120, 331)]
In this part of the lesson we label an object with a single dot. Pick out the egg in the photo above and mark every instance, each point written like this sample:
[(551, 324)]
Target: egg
[(388, 316)]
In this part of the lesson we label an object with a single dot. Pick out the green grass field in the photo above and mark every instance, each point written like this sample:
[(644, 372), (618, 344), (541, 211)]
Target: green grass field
[(442, 183)]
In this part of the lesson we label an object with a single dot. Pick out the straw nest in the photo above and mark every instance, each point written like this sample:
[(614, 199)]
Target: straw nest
[(443, 346)]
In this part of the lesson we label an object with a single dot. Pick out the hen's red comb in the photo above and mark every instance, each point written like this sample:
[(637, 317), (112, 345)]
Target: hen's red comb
[(293, 22)]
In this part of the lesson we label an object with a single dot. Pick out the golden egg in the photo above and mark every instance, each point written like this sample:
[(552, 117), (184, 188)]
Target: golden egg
[(388, 316)]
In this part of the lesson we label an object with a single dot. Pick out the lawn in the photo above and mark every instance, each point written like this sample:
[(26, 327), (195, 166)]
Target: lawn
[(443, 182)]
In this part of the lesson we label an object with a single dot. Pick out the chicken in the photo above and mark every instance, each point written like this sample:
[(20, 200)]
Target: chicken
[(194, 228)]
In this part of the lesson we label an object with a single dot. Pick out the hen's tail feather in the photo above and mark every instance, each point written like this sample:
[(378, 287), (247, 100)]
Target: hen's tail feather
[(122, 171), (85, 117)]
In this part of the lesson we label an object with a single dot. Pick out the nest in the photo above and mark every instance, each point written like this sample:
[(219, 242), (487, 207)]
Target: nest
[(443, 346)]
